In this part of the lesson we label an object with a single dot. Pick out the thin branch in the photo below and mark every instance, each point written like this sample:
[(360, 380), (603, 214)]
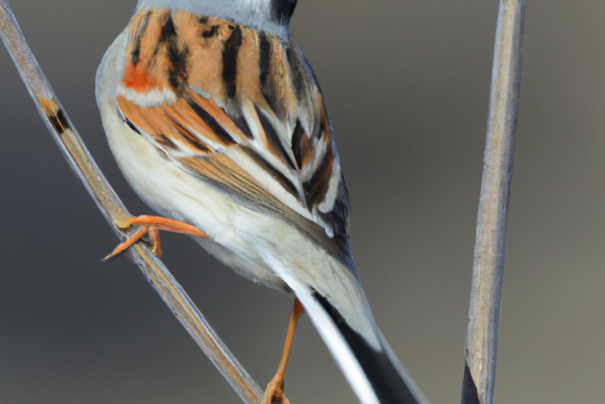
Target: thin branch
[(482, 333), (114, 211)]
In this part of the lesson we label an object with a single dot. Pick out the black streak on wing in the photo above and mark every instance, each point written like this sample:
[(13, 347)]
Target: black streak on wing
[(195, 143), (211, 32), (230, 53), (177, 75), (268, 86), (469, 388), (216, 127), (166, 141), (264, 60), (278, 176), (296, 70), (338, 217), (273, 138), (168, 30), (135, 53), (317, 127), (316, 188), (297, 138), (190, 137), (241, 123), (130, 124), (384, 377)]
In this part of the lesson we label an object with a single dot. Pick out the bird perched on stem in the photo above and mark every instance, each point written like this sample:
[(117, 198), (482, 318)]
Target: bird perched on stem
[(216, 119)]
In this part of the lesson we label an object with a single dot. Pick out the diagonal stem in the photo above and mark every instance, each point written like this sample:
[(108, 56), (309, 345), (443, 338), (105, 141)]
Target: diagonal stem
[(114, 211), (482, 333)]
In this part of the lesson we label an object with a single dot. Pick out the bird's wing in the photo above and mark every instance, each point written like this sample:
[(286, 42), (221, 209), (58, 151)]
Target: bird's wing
[(238, 107)]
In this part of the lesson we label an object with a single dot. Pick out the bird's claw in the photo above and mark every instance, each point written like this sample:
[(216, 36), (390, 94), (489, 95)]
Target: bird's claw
[(153, 225)]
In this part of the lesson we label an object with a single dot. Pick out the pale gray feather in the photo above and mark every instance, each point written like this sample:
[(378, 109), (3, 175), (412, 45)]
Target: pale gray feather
[(255, 14)]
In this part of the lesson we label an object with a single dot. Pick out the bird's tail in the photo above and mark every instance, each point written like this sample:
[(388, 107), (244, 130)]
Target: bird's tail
[(373, 371)]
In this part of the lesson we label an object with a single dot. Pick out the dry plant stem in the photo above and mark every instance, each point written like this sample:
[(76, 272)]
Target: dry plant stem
[(114, 211), (482, 333)]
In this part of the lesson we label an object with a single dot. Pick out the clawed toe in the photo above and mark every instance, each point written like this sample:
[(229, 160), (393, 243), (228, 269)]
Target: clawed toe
[(153, 225)]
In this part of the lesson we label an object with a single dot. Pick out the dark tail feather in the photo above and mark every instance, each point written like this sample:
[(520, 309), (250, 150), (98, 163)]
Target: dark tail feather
[(373, 371), (387, 379)]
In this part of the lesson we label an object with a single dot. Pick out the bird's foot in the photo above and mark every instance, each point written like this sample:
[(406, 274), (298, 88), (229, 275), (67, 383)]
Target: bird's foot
[(153, 225), (274, 394)]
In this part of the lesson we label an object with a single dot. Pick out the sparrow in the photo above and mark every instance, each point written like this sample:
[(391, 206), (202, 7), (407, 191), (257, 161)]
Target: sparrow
[(217, 121)]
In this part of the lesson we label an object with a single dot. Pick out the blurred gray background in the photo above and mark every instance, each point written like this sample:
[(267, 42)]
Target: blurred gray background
[(407, 83)]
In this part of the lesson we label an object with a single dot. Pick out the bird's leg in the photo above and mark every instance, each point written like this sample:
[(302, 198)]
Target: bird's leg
[(154, 237), (153, 225), (275, 389)]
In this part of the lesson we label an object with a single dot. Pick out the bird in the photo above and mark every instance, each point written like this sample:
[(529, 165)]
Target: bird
[(216, 119)]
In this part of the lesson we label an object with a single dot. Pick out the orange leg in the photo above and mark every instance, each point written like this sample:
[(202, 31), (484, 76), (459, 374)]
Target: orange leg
[(154, 237), (275, 389), (153, 225)]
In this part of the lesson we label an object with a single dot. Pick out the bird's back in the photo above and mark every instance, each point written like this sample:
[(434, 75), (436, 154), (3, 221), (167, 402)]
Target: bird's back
[(224, 126)]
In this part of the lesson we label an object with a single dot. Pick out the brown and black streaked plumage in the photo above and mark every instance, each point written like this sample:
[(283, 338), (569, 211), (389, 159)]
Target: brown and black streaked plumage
[(231, 87), (217, 120)]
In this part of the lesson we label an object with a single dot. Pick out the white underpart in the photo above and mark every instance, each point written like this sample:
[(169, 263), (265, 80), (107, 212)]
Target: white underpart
[(150, 99), (251, 13)]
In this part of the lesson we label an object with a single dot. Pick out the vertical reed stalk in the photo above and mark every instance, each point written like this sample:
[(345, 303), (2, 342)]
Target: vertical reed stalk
[(482, 333)]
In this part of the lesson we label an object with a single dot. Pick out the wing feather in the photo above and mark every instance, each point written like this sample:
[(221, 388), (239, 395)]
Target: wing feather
[(237, 107)]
